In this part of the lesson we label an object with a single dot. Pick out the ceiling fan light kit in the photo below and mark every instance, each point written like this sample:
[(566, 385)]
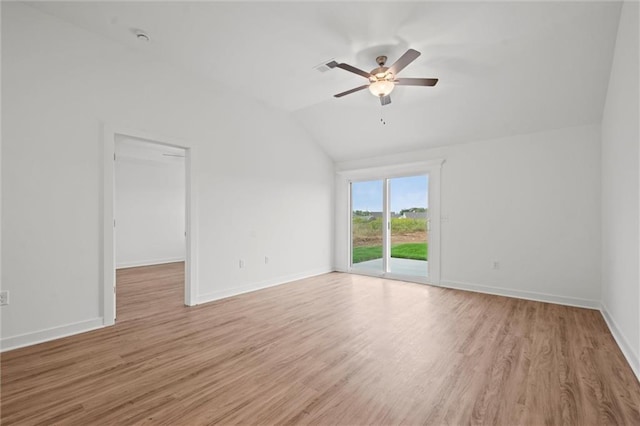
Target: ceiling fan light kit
[(381, 87), (382, 80)]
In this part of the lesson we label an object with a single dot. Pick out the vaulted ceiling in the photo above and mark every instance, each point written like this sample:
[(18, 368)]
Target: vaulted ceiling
[(505, 68)]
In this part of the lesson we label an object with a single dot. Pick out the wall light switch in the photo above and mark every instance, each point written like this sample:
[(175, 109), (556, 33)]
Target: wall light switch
[(4, 297)]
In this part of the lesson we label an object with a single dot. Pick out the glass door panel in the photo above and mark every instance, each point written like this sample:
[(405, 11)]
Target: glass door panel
[(409, 215), (367, 221)]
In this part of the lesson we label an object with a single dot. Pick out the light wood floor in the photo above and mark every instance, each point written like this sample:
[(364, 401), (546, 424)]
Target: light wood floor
[(334, 349)]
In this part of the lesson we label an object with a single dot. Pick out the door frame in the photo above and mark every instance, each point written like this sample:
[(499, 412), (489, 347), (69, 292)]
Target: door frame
[(430, 168), (108, 225)]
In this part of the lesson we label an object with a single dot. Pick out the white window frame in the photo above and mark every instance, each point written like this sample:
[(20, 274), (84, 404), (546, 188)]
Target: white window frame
[(430, 168)]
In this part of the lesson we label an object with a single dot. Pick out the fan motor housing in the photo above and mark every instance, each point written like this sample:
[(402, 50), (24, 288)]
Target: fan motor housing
[(381, 74)]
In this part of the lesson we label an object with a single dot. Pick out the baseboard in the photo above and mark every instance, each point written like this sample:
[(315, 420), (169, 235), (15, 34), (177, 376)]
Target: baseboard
[(28, 339), (628, 352), (499, 291), (520, 294), (150, 262), (248, 288)]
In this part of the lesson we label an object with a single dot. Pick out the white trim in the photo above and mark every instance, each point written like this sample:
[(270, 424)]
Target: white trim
[(108, 265), (248, 288), (191, 230), (155, 162), (522, 294), (632, 358), (28, 339), (395, 170), (149, 262), (435, 249), (349, 221), (386, 226), (108, 233)]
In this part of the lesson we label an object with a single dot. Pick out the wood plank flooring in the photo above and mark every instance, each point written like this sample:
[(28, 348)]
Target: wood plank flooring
[(334, 349)]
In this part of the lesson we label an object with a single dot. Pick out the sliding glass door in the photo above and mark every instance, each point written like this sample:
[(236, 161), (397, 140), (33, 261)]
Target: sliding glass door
[(389, 226), (367, 230), (409, 215)]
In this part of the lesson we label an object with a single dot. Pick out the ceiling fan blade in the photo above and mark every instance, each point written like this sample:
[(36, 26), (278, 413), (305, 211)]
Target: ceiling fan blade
[(408, 57), (385, 100), (416, 81), (348, 92), (354, 70)]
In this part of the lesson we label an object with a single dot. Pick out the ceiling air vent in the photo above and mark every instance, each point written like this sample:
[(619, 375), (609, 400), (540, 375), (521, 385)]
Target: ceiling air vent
[(325, 66)]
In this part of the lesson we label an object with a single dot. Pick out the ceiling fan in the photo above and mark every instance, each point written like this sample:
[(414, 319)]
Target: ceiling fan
[(382, 80)]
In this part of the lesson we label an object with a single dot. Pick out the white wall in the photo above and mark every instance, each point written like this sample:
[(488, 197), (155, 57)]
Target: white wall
[(1, 275), (262, 186), (149, 207), (530, 202), (620, 191)]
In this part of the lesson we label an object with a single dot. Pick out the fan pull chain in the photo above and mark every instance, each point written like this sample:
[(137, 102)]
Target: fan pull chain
[(381, 116)]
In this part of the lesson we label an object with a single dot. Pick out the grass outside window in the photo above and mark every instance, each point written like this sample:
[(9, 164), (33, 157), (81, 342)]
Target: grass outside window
[(415, 251)]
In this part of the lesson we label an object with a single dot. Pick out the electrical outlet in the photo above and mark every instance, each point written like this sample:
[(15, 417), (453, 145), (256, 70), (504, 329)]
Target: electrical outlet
[(4, 297)]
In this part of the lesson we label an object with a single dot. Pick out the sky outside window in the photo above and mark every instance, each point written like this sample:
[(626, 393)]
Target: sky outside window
[(406, 192)]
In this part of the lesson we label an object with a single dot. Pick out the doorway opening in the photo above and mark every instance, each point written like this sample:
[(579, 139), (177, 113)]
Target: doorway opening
[(389, 226), (148, 225), (149, 211)]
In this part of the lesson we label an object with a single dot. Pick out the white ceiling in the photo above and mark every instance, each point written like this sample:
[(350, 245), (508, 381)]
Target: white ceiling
[(504, 67)]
